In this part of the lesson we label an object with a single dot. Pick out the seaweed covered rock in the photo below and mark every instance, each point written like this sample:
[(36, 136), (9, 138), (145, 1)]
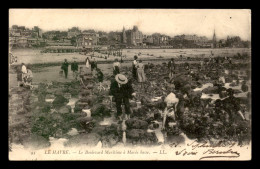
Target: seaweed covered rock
[(42, 107), (244, 87), (140, 112), (211, 90), (135, 123), (84, 119), (100, 110), (85, 92), (223, 93), (157, 116), (59, 101), (181, 81), (110, 140), (141, 136), (111, 135), (135, 134), (64, 109), (79, 105)]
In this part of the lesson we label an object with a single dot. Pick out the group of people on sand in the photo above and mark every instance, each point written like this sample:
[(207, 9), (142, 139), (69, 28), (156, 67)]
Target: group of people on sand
[(89, 65)]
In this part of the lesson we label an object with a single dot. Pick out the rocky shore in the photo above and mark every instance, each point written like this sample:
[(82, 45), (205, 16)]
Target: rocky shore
[(84, 115)]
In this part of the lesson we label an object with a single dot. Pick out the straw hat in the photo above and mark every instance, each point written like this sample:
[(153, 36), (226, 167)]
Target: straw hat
[(121, 79)]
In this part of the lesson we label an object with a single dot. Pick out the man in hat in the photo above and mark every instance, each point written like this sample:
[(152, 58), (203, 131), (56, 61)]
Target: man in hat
[(122, 91), (64, 67)]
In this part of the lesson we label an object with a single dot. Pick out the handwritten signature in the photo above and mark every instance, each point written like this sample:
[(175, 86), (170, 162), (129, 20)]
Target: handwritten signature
[(196, 144), (212, 153)]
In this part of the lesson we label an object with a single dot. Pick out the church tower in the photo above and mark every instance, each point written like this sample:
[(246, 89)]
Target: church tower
[(214, 40), (123, 35)]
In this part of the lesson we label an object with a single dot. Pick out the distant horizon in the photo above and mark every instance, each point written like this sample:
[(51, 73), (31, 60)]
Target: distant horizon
[(170, 22)]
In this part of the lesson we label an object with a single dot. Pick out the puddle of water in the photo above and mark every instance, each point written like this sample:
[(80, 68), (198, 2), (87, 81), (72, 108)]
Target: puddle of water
[(49, 100), (107, 121), (227, 86), (244, 94), (204, 86), (158, 133), (87, 111), (210, 96)]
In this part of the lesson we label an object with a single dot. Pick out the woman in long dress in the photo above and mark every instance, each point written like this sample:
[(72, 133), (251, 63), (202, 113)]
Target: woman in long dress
[(88, 69), (87, 62), (140, 73), (134, 67)]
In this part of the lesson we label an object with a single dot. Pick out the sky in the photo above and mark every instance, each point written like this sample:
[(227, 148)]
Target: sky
[(202, 22)]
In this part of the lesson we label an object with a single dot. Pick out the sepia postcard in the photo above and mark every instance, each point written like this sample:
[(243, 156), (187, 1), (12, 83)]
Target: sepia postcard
[(129, 84)]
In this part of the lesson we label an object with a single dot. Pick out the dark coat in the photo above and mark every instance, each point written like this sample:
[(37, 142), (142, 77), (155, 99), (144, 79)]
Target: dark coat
[(100, 76), (125, 91), (65, 66), (93, 64), (116, 70), (74, 66)]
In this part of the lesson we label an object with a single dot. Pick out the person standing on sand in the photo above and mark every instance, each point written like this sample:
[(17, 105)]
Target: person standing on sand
[(87, 62), (29, 77), (64, 67), (134, 67), (200, 66), (74, 68), (140, 73), (171, 67), (24, 71), (93, 64), (100, 78), (116, 67)]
